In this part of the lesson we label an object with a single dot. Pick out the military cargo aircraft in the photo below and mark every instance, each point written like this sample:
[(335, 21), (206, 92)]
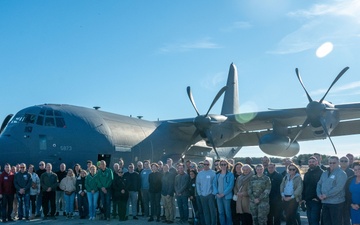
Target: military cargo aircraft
[(59, 133)]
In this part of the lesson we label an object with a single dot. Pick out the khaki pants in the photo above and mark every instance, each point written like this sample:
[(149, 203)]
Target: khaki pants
[(169, 207)]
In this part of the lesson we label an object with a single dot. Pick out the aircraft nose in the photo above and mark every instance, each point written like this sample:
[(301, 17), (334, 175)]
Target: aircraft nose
[(13, 151)]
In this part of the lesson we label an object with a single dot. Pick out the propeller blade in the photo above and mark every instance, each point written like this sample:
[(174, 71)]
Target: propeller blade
[(216, 98), (209, 136), (303, 126), (336, 79), (192, 99), (302, 84), (327, 134)]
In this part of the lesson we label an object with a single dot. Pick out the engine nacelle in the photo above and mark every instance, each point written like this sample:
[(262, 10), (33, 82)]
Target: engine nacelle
[(277, 145)]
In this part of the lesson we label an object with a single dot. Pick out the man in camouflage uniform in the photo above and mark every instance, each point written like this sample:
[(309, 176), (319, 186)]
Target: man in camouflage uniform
[(259, 190)]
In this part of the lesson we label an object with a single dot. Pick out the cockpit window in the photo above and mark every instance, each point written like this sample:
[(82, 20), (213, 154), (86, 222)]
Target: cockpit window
[(40, 120), (60, 122), (49, 121), (49, 112), (29, 118), (57, 113), (46, 117)]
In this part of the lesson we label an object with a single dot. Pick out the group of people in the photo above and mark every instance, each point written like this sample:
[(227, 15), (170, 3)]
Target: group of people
[(329, 195), (223, 193)]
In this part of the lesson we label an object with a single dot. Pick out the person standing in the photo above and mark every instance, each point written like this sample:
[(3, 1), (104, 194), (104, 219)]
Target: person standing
[(7, 191), (274, 216), (60, 202), (144, 176), (116, 168), (352, 189), (167, 192), (265, 162), (133, 181), (344, 165), (330, 190), (34, 190), (92, 191), (223, 185), (243, 200), (351, 160), (236, 170), (291, 189), (39, 172), (82, 196), (182, 193), (105, 179), (120, 193), (140, 203), (155, 192), (48, 183), (68, 185), (319, 159), (193, 196), (309, 196), (204, 188), (259, 190), (23, 181)]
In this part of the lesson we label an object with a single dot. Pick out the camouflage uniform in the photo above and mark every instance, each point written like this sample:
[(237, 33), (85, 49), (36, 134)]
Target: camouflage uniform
[(259, 187)]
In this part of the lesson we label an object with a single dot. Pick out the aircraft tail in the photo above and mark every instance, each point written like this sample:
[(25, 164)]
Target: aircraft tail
[(231, 97)]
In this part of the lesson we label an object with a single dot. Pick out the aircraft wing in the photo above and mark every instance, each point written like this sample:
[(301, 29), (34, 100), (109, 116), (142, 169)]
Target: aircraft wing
[(256, 125), (288, 117)]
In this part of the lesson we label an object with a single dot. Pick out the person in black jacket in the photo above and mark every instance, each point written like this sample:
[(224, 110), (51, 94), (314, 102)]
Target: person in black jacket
[(167, 192), (133, 180), (82, 197), (274, 216), (309, 196), (120, 193), (155, 186)]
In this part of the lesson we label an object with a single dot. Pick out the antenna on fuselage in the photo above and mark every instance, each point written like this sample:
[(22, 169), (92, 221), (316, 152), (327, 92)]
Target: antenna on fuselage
[(96, 107)]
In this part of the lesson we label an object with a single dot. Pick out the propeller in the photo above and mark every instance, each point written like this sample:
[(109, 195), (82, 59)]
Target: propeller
[(203, 123), (315, 109)]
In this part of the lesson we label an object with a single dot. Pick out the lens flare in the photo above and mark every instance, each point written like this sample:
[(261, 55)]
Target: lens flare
[(324, 49)]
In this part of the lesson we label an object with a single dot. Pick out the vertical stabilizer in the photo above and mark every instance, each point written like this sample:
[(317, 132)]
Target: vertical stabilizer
[(231, 97)]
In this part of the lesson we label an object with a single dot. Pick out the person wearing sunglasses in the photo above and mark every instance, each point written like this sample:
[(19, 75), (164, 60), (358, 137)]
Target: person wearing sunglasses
[(331, 192), (222, 189), (291, 189), (23, 181), (204, 188)]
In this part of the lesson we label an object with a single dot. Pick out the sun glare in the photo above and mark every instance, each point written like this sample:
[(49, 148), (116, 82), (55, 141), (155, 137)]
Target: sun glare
[(324, 49)]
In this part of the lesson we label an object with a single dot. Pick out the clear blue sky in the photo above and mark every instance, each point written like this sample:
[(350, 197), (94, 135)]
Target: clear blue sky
[(138, 57)]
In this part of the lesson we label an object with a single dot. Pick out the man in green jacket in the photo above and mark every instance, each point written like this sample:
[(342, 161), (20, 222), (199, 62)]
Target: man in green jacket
[(105, 178), (48, 184)]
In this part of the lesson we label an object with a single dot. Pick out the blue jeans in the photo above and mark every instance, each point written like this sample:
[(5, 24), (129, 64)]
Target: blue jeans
[(106, 202), (23, 200), (133, 197), (313, 210), (224, 211), (183, 207), (69, 202), (92, 199), (209, 209), (39, 204)]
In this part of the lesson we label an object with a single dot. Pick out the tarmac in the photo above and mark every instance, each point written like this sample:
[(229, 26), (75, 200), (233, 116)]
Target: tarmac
[(61, 220)]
